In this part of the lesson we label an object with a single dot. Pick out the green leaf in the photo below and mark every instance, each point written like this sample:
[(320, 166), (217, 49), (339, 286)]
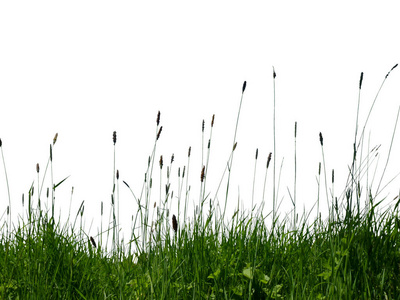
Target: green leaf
[(248, 273), (56, 185), (214, 275)]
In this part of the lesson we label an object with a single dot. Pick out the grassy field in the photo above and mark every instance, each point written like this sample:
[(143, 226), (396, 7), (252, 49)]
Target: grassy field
[(353, 254)]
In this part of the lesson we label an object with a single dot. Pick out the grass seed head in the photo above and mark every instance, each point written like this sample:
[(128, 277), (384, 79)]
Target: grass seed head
[(161, 162), (269, 159), (190, 149), (158, 118), (202, 173), (92, 241), (212, 120), (55, 138), (159, 132), (256, 153), (321, 139), (244, 87), (117, 175), (361, 79), (391, 70), (37, 168), (1, 143), (174, 223), (234, 146), (273, 73), (202, 126), (114, 137), (172, 158)]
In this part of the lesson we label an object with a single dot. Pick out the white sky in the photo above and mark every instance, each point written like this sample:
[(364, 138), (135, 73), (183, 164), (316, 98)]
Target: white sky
[(86, 68)]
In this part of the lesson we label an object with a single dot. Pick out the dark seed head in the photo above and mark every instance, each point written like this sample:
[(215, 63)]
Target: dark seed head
[(273, 72), (161, 162), (158, 118), (159, 132), (93, 242), (244, 87), (114, 137), (361, 79), (55, 138), (37, 168), (190, 149), (117, 174), (212, 121), (174, 223), (269, 159), (256, 153), (321, 139), (202, 174), (202, 126)]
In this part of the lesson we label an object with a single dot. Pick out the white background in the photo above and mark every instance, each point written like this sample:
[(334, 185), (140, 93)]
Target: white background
[(83, 69)]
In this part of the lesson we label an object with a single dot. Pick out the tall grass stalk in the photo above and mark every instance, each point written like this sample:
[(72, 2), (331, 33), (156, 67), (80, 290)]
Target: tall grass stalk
[(8, 188), (234, 144), (274, 171)]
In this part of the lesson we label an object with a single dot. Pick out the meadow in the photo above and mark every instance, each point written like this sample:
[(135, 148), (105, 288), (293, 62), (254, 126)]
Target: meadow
[(203, 253)]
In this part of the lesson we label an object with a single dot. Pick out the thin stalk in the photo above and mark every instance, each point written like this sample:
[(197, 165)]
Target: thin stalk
[(187, 189), (295, 175), (326, 184), (265, 179), (8, 188), (274, 172), (233, 148), (390, 150), (254, 181)]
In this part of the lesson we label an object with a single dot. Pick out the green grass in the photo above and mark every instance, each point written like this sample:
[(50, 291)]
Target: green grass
[(207, 254)]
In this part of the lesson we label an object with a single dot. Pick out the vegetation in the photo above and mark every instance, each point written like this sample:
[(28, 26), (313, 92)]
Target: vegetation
[(353, 254)]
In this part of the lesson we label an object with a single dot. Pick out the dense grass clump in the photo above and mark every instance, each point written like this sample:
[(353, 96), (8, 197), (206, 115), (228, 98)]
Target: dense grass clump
[(353, 254)]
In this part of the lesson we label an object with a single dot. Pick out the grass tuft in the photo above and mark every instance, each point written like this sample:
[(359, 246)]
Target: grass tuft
[(352, 254)]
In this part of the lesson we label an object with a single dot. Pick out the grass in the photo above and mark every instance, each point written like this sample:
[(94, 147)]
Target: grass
[(353, 254)]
